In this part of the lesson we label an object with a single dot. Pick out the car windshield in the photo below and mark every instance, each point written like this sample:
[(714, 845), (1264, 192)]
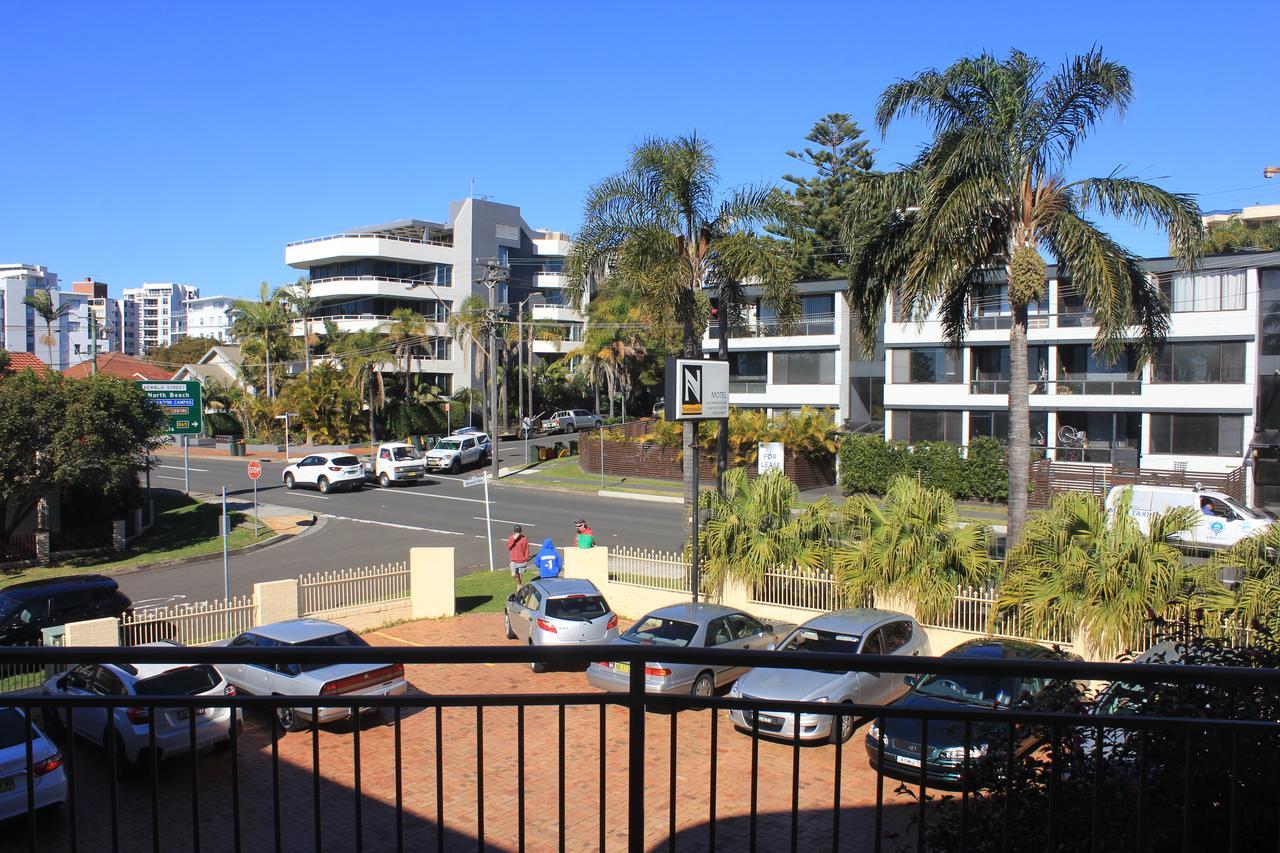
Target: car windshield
[(970, 689), (345, 460), (449, 444), (343, 639), (1122, 699), (813, 640), (185, 681), (400, 454), (653, 631), (13, 729), (577, 608), (1243, 511)]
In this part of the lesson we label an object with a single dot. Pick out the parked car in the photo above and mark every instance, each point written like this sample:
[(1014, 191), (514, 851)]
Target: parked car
[(945, 744), (310, 679), (395, 462), (559, 611), (859, 631), (456, 452), (571, 420), (531, 426), (1124, 699), (1230, 522), (28, 608), (133, 724), (325, 471), (48, 778), (694, 625)]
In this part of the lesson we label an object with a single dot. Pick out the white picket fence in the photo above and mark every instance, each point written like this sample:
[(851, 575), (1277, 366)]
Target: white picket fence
[(971, 612), (338, 590), (818, 591), (189, 624), (653, 569)]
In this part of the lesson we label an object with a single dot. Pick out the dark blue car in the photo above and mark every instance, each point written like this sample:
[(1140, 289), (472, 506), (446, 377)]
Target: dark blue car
[(945, 742)]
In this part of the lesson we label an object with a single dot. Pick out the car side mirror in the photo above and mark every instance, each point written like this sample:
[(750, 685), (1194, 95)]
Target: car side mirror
[(772, 647), (911, 681)]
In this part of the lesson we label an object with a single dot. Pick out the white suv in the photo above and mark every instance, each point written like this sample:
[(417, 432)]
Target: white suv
[(572, 420), (325, 471), (456, 452)]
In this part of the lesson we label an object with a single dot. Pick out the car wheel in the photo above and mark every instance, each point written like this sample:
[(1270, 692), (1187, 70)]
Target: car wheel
[(455, 466), (704, 686), (506, 623), (484, 460), (384, 480), (288, 481), (323, 485), (536, 665), (842, 728), (289, 720)]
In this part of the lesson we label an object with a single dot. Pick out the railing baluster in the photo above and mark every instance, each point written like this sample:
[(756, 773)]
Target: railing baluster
[(603, 766), (72, 807), (439, 780), (711, 795), (560, 768), (275, 779), (30, 780), (315, 779), (235, 788), (795, 779), (480, 779), (755, 776), (192, 756)]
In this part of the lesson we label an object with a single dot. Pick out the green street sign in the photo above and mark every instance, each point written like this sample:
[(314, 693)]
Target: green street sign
[(182, 403)]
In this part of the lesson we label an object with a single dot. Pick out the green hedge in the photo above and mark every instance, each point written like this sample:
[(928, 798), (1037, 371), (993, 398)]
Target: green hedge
[(868, 463)]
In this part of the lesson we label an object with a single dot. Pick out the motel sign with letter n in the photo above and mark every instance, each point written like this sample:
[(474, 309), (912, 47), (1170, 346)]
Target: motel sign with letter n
[(696, 390)]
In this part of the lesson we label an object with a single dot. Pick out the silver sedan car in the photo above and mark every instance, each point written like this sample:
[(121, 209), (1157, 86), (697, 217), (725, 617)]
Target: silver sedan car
[(859, 631), (693, 625), (558, 611)]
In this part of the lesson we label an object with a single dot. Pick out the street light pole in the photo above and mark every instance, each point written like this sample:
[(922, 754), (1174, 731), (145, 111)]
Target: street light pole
[(494, 275)]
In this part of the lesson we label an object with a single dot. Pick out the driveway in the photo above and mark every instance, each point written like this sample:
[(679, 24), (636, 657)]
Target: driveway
[(466, 768)]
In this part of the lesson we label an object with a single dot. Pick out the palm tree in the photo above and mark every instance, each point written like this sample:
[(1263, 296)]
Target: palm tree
[(913, 548), (303, 305), (1255, 563), (753, 528), (265, 317), (361, 355), (469, 325), (41, 301), (659, 228), (990, 191), (407, 333), (1079, 565)]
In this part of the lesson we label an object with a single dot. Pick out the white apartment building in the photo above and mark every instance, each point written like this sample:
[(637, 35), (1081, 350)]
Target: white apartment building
[(154, 315), (24, 331), (211, 317), (361, 275)]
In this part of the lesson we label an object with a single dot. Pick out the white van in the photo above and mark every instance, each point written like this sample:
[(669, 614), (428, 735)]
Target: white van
[(1230, 522)]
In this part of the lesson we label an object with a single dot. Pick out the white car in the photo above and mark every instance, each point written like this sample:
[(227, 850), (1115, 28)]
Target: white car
[(572, 420), (456, 452), (1229, 522), (325, 471), (47, 774), (395, 462), (133, 724)]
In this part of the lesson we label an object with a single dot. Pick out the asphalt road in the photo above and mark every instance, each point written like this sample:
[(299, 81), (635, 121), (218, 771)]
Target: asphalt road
[(377, 525)]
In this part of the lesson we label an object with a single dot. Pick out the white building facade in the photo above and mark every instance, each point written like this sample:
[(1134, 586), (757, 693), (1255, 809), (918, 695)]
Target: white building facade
[(211, 317), (359, 277), (154, 315)]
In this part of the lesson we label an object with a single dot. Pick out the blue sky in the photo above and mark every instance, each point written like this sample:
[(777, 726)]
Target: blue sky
[(188, 142)]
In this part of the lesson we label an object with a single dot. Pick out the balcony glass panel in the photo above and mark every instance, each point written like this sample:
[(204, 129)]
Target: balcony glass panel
[(926, 365), (989, 369), (1081, 371), (989, 308), (1097, 436)]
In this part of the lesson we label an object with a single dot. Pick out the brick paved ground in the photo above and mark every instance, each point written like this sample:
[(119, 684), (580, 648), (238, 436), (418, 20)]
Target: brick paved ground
[(584, 805)]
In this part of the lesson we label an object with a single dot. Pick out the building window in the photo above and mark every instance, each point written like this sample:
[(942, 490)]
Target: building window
[(804, 367), (996, 425), (1098, 436), (989, 307), (1204, 291), (748, 372), (868, 399), (1082, 371), (914, 426), (1198, 434), (990, 369), (817, 317), (1201, 363), (926, 364)]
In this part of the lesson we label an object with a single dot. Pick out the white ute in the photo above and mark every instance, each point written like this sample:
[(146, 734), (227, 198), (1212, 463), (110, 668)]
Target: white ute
[(395, 462), (1230, 522), (456, 452)]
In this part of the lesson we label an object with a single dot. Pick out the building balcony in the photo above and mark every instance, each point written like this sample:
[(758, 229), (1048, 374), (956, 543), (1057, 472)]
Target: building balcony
[(1107, 387), (803, 327), (556, 245), (555, 347), (372, 285), (350, 247), (548, 279), (556, 314)]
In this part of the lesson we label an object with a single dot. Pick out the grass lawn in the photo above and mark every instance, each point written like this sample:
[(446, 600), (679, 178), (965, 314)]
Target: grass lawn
[(567, 474), (485, 591), (184, 527)]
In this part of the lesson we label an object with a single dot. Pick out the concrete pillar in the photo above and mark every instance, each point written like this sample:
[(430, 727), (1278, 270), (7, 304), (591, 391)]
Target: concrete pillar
[(93, 632), (119, 538), (275, 601), (44, 546), (431, 582), (589, 564)]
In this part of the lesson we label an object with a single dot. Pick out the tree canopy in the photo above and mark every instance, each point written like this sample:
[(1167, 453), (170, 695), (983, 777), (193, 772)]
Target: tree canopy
[(1237, 235), (182, 351)]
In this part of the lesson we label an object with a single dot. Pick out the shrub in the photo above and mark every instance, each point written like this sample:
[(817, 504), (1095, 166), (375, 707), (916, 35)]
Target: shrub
[(868, 462), (223, 423), (938, 464), (986, 472)]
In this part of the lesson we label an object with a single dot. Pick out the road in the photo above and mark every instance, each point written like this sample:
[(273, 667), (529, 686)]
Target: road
[(377, 525)]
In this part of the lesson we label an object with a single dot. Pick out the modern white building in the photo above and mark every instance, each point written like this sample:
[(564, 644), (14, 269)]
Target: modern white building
[(69, 341), (360, 276), (154, 315), (19, 330), (211, 317)]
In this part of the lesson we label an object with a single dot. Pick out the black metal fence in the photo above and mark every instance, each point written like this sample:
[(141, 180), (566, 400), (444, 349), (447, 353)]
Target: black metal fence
[(1014, 779)]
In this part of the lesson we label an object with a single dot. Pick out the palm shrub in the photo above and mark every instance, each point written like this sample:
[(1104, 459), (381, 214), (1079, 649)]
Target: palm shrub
[(1078, 565), (1255, 563), (912, 547), (752, 528)]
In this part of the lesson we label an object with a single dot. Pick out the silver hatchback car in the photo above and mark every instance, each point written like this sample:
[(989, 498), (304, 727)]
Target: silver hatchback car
[(858, 631), (692, 625), (559, 611)]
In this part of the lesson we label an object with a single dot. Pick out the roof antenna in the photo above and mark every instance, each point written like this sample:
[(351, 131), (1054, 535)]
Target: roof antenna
[(472, 194)]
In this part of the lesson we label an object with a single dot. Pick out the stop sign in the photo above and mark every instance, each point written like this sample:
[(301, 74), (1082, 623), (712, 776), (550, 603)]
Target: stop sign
[(255, 469)]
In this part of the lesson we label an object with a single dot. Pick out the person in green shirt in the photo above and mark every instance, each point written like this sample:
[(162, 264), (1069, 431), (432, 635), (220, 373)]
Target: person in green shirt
[(586, 538)]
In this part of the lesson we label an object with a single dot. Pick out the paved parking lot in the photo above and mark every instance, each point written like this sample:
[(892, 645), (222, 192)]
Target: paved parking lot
[(374, 789)]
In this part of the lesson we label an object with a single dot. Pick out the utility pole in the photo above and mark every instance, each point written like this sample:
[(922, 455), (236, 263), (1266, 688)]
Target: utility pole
[(494, 274)]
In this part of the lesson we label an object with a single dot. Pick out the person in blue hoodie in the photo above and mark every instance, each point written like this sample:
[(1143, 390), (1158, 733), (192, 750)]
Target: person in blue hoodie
[(549, 563)]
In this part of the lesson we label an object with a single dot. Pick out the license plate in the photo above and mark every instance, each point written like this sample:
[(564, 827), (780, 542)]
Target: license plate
[(6, 785), (770, 720), (411, 474), (185, 713), (622, 667), (910, 762)]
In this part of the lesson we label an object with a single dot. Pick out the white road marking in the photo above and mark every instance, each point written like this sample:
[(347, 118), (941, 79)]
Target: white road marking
[(179, 468), (317, 497), (163, 477), (390, 524), (441, 497), (508, 521)]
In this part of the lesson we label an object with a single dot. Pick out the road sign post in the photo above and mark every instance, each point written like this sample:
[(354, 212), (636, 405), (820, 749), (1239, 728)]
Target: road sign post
[(226, 556), (255, 471), (186, 464), (483, 479), (183, 406)]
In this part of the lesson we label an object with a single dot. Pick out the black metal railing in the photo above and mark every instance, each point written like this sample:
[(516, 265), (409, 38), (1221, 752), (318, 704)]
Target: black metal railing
[(257, 799)]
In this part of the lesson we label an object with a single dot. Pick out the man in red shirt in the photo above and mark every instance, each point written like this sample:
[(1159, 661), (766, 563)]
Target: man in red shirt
[(518, 547)]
